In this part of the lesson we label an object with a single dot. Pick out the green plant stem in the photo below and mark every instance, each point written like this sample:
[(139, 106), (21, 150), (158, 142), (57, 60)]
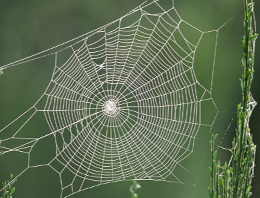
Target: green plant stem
[(244, 114), (235, 180)]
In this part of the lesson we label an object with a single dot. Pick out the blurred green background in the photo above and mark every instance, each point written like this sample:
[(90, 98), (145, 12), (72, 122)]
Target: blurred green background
[(27, 27)]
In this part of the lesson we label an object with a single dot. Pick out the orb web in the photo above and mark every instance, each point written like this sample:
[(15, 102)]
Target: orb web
[(125, 104)]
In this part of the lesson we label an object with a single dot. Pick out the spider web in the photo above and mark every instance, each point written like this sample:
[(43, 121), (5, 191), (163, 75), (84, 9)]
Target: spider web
[(123, 102)]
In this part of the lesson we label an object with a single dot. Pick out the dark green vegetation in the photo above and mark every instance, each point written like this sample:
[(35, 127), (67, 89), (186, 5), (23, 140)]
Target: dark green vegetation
[(8, 189), (235, 177)]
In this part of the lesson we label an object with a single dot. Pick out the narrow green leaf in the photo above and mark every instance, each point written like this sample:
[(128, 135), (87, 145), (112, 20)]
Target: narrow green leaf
[(222, 181), (239, 105), (215, 137), (12, 190), (215, 154), (231, 170), (241, 115), (254, 37), (250, 14)]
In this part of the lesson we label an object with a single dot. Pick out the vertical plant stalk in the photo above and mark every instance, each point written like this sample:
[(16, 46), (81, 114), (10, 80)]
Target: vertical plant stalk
[(236, 177), (245, 152)]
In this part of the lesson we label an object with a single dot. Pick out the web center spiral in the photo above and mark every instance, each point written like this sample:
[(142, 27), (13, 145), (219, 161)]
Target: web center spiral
[(111, 108)]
